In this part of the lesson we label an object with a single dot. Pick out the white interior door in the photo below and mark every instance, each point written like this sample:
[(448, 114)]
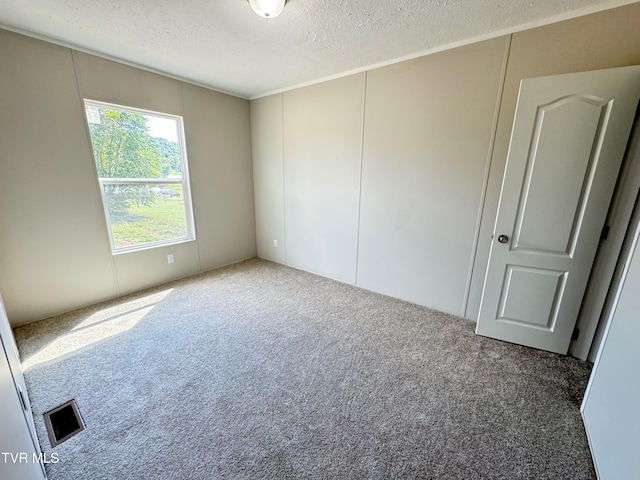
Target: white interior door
[(568, 140)]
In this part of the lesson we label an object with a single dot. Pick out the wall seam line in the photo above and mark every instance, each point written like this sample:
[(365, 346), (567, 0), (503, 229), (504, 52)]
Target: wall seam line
[(284, 199), (487, 171), (193, 210), (364, 108)]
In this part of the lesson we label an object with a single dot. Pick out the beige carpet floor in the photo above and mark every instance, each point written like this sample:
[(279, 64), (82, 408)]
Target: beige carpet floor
[(260, 371)]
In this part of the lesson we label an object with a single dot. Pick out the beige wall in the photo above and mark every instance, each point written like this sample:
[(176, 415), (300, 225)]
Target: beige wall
[(427, 136), (322, 141), (217, 130), (268, 172), (374, 188), (431, 172), (54, 248)]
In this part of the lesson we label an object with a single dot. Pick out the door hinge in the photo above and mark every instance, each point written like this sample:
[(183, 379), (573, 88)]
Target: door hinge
[(575, 334), (605, 232), (22, 399)]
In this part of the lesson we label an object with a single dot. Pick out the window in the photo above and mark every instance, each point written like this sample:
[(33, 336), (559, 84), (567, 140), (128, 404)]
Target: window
[(141, 163)]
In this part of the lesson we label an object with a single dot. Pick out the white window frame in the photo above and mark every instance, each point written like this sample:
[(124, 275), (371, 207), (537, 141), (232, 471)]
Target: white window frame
[(184, 181)]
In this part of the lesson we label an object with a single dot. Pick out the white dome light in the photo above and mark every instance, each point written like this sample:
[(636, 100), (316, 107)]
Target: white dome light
[(267, 8)]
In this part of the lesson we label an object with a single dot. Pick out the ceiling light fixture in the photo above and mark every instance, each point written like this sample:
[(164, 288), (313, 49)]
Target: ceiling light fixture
[(267, 8)]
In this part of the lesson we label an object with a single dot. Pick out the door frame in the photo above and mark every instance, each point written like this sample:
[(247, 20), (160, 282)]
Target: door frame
[(630, 249), (606, 268)]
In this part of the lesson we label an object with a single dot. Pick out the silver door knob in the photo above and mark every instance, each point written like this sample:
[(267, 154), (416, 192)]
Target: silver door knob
[(503, 239)]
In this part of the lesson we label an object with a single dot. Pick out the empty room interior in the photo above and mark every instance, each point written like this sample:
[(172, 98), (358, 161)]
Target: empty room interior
[(273, 239)]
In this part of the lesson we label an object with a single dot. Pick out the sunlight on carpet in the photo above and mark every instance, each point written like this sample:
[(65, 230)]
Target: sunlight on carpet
[(97, 327)]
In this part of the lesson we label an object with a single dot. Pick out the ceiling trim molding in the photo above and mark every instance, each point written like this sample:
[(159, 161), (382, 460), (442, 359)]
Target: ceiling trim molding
[(79, 48), (479, 38)]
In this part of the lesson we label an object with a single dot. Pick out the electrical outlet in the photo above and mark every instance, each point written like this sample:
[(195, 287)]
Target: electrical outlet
[(170, 258), (275, 243)]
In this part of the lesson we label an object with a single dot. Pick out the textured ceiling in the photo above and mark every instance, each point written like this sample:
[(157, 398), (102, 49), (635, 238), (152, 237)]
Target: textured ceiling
[(222, 44)]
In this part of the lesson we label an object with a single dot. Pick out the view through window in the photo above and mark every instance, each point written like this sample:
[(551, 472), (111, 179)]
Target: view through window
[(141, 163)]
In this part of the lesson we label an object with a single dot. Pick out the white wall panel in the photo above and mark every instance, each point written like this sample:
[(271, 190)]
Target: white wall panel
[(428, 127), (54, 248), (112, 82), (268, 176), (146, 268), (322, 153), (217, 129)]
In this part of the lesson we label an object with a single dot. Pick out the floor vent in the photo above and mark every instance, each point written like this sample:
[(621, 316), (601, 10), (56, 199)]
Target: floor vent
[(63, 422)]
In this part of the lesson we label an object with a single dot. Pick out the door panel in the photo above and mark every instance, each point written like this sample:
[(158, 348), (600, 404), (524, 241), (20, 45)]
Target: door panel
[(518, 306), (567, 144), (567, 129)]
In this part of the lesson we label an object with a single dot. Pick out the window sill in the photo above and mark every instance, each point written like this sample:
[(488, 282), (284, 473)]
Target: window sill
[(150, 246)]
